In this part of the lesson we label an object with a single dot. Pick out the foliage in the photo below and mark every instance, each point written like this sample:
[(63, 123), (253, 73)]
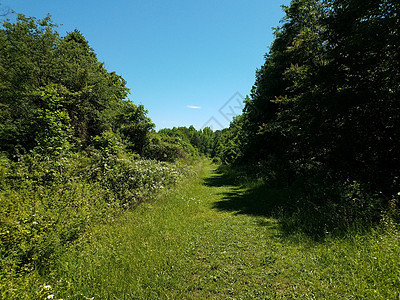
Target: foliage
[(47, 204), (204, 241), (202, 140), (230, 142), (71, 146), (55, 93), (133, 125), (324, 104), (319, 135), (168, 148)]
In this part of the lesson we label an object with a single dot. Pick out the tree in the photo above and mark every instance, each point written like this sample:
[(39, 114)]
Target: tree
[(268, 116), (134, 126), (364, 44), (26, 53), (54, 92), (326, 99)]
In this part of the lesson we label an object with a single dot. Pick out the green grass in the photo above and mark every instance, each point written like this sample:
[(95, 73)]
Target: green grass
[(202, 241)]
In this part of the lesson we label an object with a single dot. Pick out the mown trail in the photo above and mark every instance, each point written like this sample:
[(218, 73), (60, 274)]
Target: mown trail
[(195, 243)]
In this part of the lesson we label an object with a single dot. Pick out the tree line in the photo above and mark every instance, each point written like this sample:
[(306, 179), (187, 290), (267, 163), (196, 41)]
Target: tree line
[(57, 97), (325, 105)]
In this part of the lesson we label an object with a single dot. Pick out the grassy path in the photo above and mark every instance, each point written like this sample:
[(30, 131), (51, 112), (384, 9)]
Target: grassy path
[(185, 246)]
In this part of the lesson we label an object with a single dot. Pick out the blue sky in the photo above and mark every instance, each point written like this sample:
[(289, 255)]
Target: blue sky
[(188, 62)]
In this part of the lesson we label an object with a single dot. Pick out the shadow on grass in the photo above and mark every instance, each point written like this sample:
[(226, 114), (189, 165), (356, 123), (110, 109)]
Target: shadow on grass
[(284, 204), (259, 200)]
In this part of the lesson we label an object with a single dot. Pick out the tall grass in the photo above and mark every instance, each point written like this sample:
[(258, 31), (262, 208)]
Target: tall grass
[(46, 206)]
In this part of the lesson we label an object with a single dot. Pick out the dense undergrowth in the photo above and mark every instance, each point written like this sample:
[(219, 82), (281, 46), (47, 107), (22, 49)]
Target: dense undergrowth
[(48, 204), (309, 205)]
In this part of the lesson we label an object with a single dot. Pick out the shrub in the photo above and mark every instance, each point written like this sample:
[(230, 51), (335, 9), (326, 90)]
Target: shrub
[(168, 148), (47, 204)]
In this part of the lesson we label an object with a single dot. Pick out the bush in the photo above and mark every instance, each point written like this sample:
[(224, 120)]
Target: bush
[(108, 143), (167, 148), (45, 205)]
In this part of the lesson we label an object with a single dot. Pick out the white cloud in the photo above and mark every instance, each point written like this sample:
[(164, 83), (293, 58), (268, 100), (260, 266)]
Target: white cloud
[(193, 107)]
